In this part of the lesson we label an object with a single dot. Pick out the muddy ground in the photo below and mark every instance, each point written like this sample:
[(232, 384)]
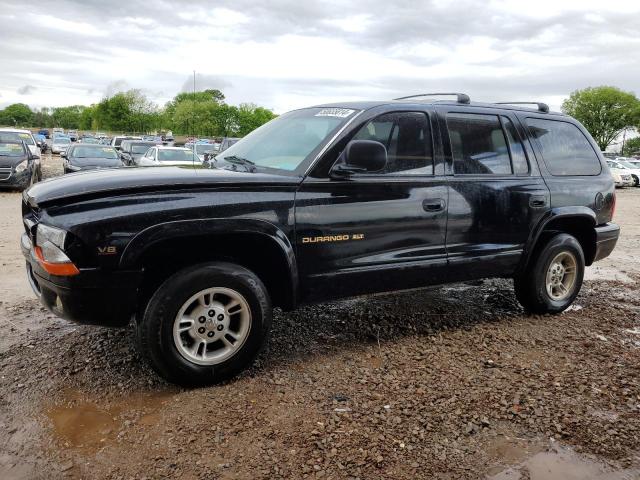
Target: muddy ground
[(454, 382)]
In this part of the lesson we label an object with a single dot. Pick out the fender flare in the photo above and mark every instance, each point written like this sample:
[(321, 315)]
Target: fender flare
[(553, 215), (211, 227)]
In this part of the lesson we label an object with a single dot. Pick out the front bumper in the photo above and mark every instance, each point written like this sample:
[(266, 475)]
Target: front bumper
[(19, 180), (93, 297), (606, 239)]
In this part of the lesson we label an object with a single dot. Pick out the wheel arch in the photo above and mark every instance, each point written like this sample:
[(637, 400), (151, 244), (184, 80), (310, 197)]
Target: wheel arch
[(577, 221), (258, 245)]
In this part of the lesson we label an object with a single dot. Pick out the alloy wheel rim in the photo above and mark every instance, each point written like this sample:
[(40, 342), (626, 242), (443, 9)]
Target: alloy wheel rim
[(561, 276), (212, 326)]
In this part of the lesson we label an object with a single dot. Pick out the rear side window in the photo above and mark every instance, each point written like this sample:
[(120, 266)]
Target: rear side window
[(518, 157), (565, 149), (478, 144), (407, 136)]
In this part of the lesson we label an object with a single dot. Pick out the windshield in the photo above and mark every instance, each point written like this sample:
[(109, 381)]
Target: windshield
[(202, 148), (16, 137), (11, 150), (175, 155), (62, 140), (94, 152), (285, 142), (627, 164), (140, 148)]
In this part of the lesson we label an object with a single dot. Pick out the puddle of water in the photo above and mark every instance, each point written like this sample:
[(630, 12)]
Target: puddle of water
[(85, 423), (560, 463)]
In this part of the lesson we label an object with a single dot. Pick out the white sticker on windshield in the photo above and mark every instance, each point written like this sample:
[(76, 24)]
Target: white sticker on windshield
[(335, 112)]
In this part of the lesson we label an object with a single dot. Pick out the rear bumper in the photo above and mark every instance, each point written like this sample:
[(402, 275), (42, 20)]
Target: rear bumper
[(606, 239), (93, 297)]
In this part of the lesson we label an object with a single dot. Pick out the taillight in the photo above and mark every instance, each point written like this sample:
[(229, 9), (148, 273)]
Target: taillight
[(613, 205)]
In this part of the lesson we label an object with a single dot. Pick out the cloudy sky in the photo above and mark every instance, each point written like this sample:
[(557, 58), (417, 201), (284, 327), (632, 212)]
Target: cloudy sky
[(286, 54)]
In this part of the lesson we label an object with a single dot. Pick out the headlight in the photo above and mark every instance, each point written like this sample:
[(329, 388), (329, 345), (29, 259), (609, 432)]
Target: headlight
[(49, 251), (22, 166)]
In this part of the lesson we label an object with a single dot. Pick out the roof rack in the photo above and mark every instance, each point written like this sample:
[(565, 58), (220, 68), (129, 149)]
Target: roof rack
[(461, 97), (542, 107)]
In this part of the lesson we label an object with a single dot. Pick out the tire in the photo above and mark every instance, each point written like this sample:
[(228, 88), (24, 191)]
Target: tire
[(158, 329), (636, 181), (531, 287)]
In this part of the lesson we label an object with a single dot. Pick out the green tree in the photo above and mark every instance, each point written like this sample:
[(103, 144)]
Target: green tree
[(604, 111), (251, 116), (632, 147), (17, 114), (67, 117)]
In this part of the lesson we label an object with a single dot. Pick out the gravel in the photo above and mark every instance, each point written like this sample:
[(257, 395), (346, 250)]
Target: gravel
[(453, 382)]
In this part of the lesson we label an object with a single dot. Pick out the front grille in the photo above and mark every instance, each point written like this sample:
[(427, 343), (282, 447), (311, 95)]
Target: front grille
[(5, 173)]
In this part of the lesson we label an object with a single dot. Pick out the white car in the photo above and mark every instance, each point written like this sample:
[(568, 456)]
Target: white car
[(162, 156), (60, 144), (621, 176), (625, 164), (16, 134), (202, 148)]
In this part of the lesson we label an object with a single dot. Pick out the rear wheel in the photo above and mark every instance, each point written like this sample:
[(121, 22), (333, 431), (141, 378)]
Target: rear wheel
[(205, 324), (554, 276)]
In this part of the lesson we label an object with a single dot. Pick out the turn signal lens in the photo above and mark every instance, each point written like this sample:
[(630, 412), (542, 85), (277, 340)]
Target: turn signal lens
[(60, 269), (49, 251)]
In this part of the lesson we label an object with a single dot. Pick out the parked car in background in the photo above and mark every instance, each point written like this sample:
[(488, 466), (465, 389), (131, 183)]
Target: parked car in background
[(621, 176), (58, 130), (100, 135), (44, 131), (89, 140), (227, 142), (623, 163), (202, 148), (81, 156), (41, 141), (19, 168), (73, 135), (162, 155), (60, 144), (20, 135), (118, 139), (132, 150)]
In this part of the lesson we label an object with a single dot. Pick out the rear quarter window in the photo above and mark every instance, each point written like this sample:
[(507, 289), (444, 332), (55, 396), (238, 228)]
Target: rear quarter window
[(565, 149)]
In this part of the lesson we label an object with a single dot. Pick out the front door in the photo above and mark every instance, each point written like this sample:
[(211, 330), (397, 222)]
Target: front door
[(377, 231)]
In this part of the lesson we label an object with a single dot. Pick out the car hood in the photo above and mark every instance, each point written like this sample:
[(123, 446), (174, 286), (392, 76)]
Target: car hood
[(129, 180), (95, 162), (8, 162)]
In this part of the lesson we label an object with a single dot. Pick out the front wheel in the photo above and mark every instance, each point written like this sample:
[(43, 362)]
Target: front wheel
[(554, 276), (205, 324)]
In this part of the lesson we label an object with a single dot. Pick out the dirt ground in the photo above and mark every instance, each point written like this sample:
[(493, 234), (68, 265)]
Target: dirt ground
[(447, 383)]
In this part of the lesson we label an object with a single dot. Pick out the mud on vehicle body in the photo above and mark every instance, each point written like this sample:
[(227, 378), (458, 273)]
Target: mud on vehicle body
[(322, 203)]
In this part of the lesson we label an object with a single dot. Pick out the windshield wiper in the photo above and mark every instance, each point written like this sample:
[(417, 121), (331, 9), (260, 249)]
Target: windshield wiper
[(248, 164)]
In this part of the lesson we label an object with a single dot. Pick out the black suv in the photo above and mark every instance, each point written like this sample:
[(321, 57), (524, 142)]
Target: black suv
[(321, 203)]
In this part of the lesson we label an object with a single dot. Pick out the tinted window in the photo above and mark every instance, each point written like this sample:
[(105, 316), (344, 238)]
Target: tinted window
[(478, 144), (407, 136), (518, 157), (565, 149)]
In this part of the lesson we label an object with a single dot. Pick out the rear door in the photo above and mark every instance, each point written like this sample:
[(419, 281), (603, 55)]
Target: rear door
[(377, 231), (496, 194)]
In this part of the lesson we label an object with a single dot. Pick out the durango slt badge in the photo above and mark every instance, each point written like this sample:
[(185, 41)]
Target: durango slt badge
[(333, 238)]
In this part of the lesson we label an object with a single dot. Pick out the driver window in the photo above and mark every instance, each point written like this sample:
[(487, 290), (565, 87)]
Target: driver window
[(407, 137)]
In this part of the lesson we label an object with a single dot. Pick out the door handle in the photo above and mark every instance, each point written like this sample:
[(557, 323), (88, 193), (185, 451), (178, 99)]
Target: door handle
[(433, 204), (537, 201)]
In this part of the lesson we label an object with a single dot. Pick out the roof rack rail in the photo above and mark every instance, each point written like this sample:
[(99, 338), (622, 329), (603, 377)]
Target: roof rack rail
[(542, 107), (461, 97)]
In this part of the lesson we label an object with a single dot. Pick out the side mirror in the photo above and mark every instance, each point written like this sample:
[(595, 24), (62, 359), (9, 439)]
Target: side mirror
[(63, 154), (360, 156)]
